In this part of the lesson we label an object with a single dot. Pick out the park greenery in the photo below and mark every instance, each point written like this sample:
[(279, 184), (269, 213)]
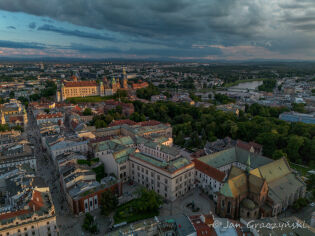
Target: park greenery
[(87, 111), (88, 162), (146, 93), (300, 203), (49, 91), (102, 121), (100, 172), (268, 85), (108, 202), (222, 99), (6, 127), (194, 126), (89, 224), (298, 107), (146, 205)]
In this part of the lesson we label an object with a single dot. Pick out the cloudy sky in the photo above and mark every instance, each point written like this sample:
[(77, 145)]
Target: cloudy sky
[(171, 29)]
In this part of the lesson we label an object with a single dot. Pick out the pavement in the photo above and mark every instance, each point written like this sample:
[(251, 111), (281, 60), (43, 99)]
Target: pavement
[(201, 201)]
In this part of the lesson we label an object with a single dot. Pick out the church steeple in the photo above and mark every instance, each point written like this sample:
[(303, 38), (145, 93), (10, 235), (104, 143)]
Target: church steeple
[(248, 164)]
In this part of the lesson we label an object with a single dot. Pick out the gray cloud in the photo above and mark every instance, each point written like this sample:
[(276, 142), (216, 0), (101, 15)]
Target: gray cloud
[(76, 33), (172, 26), (11, 27), (13, 44), (32, 25)]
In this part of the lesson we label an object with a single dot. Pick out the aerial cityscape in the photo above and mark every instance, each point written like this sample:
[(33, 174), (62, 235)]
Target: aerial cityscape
[(157, 118)]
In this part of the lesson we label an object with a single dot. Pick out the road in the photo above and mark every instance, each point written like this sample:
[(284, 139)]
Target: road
[(68, 224)]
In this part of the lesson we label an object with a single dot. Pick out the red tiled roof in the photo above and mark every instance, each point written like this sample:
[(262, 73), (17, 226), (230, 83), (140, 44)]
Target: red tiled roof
[(247, 146), (149, 123), (37, 201), (209, 170), (201, 227), (140, 85), (49, 116), (121, 122), (198, 153), (74, 124), (77, 109), (14, 119), (14, 214), (80, 84)]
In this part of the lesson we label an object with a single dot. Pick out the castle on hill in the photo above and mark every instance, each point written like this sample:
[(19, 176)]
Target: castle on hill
[(105, 87)]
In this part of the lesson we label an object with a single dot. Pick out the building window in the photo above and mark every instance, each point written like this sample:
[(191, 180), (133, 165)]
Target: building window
[(229, 207)]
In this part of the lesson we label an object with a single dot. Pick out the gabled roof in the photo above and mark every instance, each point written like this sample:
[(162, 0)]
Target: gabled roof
[(235, 171), (80, 84), (209, 170), (274, 170)]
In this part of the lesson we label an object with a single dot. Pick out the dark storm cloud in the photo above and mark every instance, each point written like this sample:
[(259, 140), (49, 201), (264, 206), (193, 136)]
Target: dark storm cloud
[(32, 25), (163, 18), (76, 33), (11, 27), (172, 26), (12, 44)]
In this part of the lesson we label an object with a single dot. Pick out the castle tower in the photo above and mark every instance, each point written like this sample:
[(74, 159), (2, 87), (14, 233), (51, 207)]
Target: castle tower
[(62, 92), (2, 119), (101, 89), (118, 83), (114, 85)]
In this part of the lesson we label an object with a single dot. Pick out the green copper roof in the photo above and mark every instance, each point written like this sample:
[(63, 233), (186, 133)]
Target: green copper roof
[(235, 154), (226, 191)]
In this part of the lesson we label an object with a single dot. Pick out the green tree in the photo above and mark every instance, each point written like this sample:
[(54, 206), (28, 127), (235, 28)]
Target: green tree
[(100, 124), (179, 139), (108, 202), (89, 224), (278, 154), (148, 200), (295, 142), (12, 94), (137, 117), (298, 107), (87, 111)]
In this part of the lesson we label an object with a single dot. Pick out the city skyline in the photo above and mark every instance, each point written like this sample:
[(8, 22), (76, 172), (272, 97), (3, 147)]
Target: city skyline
[(170, 30)]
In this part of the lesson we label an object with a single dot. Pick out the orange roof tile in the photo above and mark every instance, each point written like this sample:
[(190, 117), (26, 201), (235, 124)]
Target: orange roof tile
[(80, 84), (209, 170)]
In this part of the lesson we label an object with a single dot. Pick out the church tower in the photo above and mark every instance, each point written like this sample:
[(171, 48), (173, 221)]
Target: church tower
[(114, 85)]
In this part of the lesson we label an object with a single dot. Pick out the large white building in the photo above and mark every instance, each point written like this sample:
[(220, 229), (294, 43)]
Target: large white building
[(68, 146)]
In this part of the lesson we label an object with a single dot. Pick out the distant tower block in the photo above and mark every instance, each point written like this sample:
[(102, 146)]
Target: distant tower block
[(125, 80)]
